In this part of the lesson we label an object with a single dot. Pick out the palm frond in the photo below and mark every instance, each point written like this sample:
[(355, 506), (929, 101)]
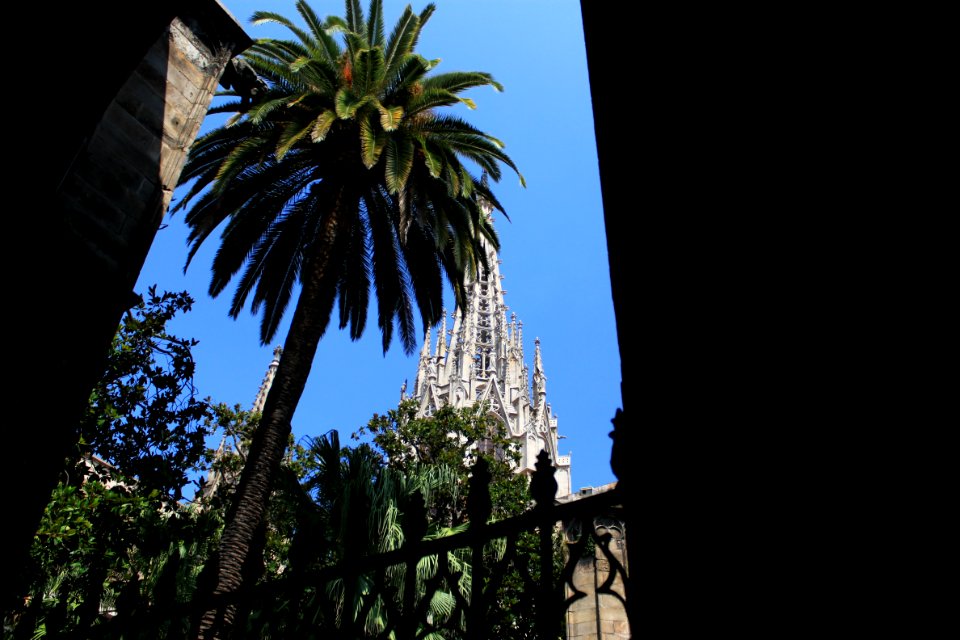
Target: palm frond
[(354, 285), (347, 103), (411, 70), (266, 180), (387, 268), (466, 181), (276, 274), (320, 76), (355, 43), (248, 152), (277, 69), (432, 160), (325, 44), (442, 604), (234, 106), (390, 117), (444, 125), (487, 195), (368, 70), (461, 81), (306, 39), (482, 148), (257, 207), (322, 124), (264, 108), (330, 44), (451, 176), (209, 151), (372, 140), (375, 23), (420, 256), (399, 162), (277, 49), (335, 24), (259, 18), (423, 18), (431, 99), (354, 13), (294, 132), (401, 40), (202, 180)]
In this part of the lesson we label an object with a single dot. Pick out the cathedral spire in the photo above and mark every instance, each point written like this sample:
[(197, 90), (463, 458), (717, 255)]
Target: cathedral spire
[(482, 360), (539, 380), (419, 385), (261, 398), (442, 336), (425, 351)]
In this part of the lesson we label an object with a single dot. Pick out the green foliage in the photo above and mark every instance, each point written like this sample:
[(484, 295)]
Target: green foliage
[(334, 504), (114, 538), (105, 551), (144, 417), (453, 438)]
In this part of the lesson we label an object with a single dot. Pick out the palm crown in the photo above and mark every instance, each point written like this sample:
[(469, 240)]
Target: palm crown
[(345, 168)]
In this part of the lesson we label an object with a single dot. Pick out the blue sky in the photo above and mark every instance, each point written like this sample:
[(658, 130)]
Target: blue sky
[(553, 247)]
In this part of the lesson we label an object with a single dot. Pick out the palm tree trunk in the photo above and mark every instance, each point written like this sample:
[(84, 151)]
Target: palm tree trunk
[(263, 460)]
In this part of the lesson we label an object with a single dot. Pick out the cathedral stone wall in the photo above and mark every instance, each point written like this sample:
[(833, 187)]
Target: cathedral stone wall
[(599, 615)]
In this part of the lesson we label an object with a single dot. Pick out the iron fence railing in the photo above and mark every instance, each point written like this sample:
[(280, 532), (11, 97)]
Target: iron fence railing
[(513, 578)]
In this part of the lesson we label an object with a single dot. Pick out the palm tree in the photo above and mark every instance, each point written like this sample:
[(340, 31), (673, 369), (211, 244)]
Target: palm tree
[(364, 508), (341, 171)]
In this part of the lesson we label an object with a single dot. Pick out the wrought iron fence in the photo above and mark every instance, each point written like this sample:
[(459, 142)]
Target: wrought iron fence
[(514, 578)]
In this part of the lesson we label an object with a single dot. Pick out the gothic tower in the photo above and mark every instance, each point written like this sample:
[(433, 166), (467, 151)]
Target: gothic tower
[(482, 360), (261, 398)]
